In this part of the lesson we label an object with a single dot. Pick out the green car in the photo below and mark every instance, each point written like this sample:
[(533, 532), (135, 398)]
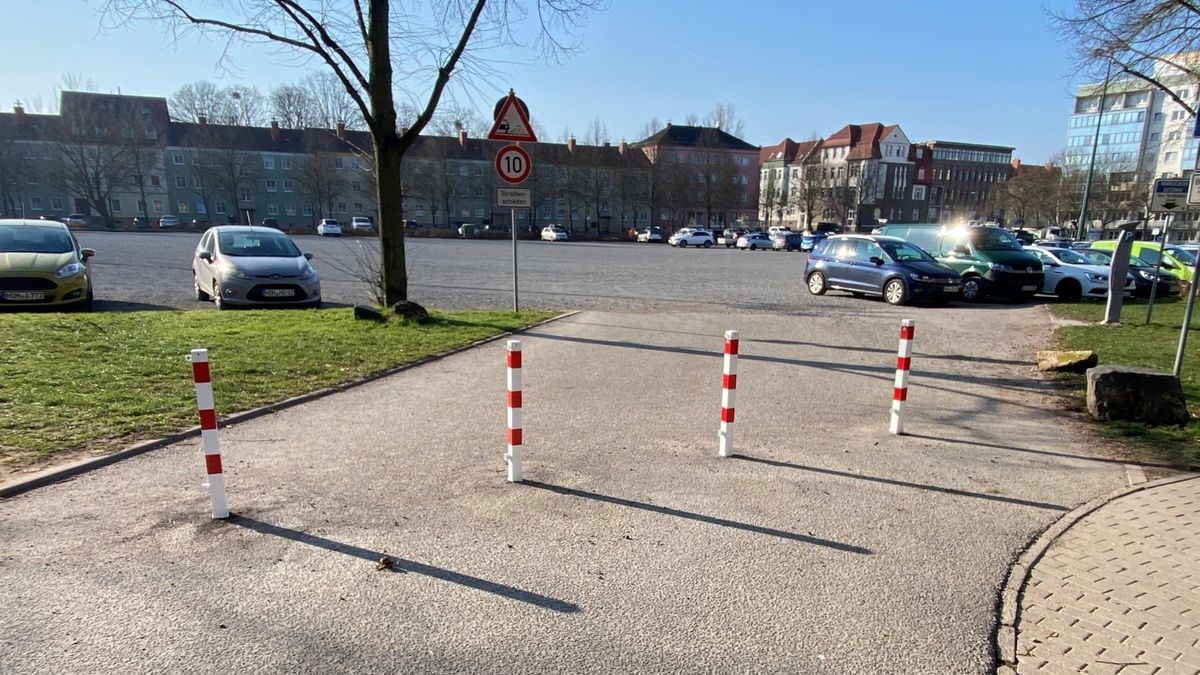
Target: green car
[(990, 259), (42, 265), (1177, 261)]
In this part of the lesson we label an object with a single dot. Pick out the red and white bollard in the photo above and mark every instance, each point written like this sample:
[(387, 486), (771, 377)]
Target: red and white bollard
[(903, 362), (728, 387), (208, 432), (515, 442)]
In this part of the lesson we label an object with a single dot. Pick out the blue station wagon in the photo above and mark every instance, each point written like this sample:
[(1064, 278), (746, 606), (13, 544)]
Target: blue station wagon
[(890, 267)]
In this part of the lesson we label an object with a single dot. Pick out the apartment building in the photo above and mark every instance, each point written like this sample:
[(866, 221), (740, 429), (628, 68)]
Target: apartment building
[(962, 179)]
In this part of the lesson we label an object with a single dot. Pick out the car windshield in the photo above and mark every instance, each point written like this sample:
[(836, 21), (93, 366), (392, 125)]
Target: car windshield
[(902, 251), (257, 244), (1182, 255), (1071, 257), (993, 239), (34, 239)]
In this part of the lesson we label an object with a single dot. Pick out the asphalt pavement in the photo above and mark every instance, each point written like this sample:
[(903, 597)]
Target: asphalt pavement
[(147, 270), (827, 546)]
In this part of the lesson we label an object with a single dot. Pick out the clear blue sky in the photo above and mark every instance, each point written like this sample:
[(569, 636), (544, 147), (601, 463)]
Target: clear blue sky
[(987, 72)]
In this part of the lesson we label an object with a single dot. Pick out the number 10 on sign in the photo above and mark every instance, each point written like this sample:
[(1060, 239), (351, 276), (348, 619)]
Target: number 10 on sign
[(513, 164)]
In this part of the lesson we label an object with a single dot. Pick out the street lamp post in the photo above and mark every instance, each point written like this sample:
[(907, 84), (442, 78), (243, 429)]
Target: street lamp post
[(1081, 226)]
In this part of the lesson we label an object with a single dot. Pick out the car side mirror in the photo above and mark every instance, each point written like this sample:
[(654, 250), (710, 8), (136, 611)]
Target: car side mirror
[(877, 260), (205, 255), (86, 253), (308, 256)]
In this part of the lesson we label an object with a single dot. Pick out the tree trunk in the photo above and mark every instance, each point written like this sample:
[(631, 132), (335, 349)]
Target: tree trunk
[(390, 198)]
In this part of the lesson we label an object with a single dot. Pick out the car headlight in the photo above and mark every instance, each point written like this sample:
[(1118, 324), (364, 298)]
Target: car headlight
[(1000, 267), (308, 272), (236, 273), (69, 270), (920, 277), (1098, 278), (1148, 276)]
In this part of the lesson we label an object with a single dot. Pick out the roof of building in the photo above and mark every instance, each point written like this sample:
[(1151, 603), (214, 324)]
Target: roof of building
[(862, 139), (781, 151), (968, 146), (677, 135)]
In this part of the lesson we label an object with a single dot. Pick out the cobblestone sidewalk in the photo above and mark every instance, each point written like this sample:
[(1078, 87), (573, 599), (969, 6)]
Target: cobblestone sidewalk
[(1119, 591)]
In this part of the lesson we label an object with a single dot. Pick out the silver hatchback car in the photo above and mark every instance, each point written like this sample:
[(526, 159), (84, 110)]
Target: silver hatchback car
[(242, 265)]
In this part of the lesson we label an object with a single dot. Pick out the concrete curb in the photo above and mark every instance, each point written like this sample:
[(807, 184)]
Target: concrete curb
[(65, 471), (1014, 586)]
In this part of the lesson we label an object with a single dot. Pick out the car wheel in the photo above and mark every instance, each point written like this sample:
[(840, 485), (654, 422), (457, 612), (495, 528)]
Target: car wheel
[(708, 244), (816, 283), (972, 289), (201, 296), (1069, 290), (753, 247), (682, 244), (894, 293), (216, 296)]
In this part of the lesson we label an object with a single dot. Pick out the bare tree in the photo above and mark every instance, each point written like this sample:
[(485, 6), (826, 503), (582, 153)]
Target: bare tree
[(649, 128), (13, 167), (90, 161), (198, 99), (806, 193), (1146, 39), (144, 155), (369, 50), (318, 175), (724, 117), (293, 107), (332, 103), (770, 197)]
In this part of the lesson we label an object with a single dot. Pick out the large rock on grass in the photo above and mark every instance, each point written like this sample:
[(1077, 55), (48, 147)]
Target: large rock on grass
[(1136, 395), (410, 311), (364, 313), (1066, 362)]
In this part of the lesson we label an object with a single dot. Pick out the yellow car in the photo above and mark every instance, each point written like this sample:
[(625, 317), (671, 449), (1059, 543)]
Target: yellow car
[(42, 265)]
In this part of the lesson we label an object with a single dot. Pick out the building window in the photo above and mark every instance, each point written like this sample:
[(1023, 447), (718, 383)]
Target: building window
[(220, 208), (268, 162), (287, 185), (478, 170), (177, 158), (244, 194), (341, 207), (1177, 115), (196, 182), (1153, 136), (195, 160), (183, 206), (918, 193), (35, 203), (151, 133), (272, 210), (155, 181), (339, 163), (1173, 136), (56, 203), (307, 210), (358, 207), (158, 206), (478, 191), (1169, 157), (180, 181), (356, 186), (478, 213), (287, 163), (289, 209), (462, 170), (270, 183)]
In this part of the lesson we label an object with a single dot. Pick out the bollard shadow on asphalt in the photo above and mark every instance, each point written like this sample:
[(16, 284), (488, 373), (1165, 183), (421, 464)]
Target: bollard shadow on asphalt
[(900, 483), (688, 515), (402, 565), (1047, 453)]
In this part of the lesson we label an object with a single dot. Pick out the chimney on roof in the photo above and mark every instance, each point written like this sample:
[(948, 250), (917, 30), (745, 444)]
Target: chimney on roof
[(1049, 166), (571, 144), (341, 130), (1016, 165), (274, 130), (202, 120), (623, 147), (462, 136), (19, 111)]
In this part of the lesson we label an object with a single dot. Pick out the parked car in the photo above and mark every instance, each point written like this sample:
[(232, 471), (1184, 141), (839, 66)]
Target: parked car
[(1071, 276), (689, 236), (786, 241), (811, 240), (1149, 252), (554, 233), (270, 222), (1143, 273), (651, 235), (76, 220), (328, 227), (890, 267), (729, 236), (753, 241), (777, 229), (361, 224), (42, 265), (245, 265), (168, 222), (990, 259)]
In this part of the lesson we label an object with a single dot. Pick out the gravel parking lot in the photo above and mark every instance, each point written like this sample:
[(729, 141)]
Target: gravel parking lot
[(144, 270)]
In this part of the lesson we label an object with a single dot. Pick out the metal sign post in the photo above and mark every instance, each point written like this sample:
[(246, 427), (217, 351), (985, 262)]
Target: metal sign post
[(1187, 317), (513, 198), (513, 164)]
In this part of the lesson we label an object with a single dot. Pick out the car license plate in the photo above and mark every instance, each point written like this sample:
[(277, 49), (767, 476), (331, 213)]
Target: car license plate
[(24, 295), (278, 293), (952, 289), (1029, 288)]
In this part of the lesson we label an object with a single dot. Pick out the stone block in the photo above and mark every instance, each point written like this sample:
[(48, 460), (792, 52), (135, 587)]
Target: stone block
[(363, 313), (1066, 362), (1135, 394)]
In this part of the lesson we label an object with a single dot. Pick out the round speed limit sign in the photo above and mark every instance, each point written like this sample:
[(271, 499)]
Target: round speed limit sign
[(513, 164)]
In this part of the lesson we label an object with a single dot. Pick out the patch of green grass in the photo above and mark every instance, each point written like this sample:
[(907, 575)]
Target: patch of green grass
[(97, 381), (1136, 344)]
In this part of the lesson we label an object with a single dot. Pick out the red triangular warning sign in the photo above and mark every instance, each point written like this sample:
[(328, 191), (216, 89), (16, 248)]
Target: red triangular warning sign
[(512, 124)]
